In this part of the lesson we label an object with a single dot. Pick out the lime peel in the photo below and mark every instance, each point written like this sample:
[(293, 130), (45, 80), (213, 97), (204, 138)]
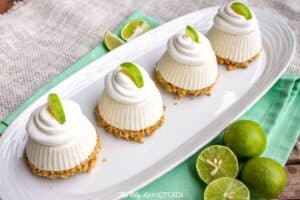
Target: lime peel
[(264, 177), (241, 9), (134, 28), (112, 41), (55, 108), (246, 138), (133, 72), (192, 33)]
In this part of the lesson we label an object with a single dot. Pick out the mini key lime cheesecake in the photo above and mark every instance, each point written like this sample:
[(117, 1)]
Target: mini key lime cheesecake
[(130, 106), (235, 35), (189, 65), (61, 140)]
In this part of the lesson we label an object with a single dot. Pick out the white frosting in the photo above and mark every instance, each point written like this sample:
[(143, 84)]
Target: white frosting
[(229, 21), (44, 129), (184, 50), (122, 89)]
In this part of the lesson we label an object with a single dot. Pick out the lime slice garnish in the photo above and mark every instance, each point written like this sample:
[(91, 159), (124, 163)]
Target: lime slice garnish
[(241, 9), (55, 108), (133, 72), (192, 33), (134, 28), (215, 162), (112, 41), (226, 189)]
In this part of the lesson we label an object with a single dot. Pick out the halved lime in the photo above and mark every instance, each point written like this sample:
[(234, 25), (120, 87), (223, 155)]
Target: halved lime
[(133, 72), (112, 41), (55, 108), (215, 162), (192, 33), (226, 189), (134, 28), (241, 9)]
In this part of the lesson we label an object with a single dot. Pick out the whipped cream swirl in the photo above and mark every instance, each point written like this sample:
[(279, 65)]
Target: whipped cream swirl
[(184, 50), (229, 21), (122, 89), (44, 129)]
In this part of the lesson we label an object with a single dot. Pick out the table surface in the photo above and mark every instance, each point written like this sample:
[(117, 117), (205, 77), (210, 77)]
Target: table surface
[(292, 189), (281, 8)]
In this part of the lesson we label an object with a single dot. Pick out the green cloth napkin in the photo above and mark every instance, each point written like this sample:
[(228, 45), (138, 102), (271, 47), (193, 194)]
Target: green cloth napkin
[(277, 112)]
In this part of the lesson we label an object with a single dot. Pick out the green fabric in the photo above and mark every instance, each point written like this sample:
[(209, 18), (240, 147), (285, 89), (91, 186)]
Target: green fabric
[(277, 112)]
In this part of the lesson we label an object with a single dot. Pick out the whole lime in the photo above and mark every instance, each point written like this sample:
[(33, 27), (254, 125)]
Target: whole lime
[(264, 177), (246, 138)]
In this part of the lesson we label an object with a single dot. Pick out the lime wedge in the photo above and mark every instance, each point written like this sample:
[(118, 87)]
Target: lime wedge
[(133, 72), (226, 189), (112, 41), (192, 33), (134, 28), (241, 9), (55, 108), (215, 162)]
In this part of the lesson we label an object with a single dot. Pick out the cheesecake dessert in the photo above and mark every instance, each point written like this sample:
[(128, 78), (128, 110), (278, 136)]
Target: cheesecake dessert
[(62, 142), (130, 106), (235, 35), (189, 65)]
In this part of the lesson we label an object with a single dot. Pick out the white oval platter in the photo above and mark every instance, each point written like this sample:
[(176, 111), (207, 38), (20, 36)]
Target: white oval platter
[(189, 125)]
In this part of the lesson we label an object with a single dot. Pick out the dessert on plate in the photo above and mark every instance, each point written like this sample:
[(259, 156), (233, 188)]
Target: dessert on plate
[(130, 106), (235, 35), (189, 65), (62, 142)]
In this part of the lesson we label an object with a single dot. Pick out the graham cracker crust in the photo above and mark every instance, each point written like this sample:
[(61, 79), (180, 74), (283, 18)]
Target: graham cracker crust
[(231, 65), (179, 92), (136, 136), (85, 166)]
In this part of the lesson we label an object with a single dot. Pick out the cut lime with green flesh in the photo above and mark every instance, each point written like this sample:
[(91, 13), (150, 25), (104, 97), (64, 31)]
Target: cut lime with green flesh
[(112, 41), (133, 72), (241, 9), (134, 28), (215, 162), (55, 108), (192, 33), (226, 189)]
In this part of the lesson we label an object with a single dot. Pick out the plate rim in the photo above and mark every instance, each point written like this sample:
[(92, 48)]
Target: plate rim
[(136, 183)]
